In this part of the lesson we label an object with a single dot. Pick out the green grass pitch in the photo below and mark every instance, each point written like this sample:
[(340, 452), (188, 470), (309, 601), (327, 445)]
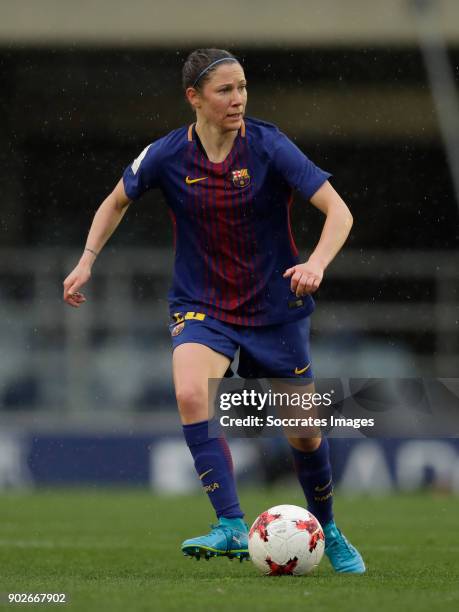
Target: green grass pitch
[(119, 550)]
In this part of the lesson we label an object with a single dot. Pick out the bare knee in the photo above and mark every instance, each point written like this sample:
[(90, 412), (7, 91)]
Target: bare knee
[(307, 445), (192, 403)]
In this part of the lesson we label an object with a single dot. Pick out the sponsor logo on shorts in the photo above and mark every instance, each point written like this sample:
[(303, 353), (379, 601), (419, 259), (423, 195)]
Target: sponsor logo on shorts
[(299, 371)]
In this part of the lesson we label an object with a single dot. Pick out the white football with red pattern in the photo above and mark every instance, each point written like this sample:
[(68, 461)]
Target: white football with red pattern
[(286, 540)]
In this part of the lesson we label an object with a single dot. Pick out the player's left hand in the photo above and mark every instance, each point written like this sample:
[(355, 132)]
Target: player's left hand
[(305, 277)]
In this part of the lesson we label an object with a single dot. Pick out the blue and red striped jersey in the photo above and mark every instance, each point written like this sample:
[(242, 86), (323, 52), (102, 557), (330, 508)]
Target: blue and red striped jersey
[(233, 240)]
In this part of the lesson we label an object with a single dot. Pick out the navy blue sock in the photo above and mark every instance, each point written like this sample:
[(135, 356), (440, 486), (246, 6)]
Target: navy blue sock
[(314, 473), (214, 465)]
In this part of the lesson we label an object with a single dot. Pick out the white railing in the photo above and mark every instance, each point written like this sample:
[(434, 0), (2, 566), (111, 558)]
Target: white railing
[(115, 351)]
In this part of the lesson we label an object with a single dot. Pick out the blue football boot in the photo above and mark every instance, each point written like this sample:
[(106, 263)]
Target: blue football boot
[(227, 539), (342, 555)]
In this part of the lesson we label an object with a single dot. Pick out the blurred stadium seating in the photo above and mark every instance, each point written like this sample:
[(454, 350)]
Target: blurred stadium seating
[(114, 354)]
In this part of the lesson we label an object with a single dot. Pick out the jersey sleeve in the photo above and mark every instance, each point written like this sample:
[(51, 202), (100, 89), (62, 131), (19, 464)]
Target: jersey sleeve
[(297, 169), (144, 172)]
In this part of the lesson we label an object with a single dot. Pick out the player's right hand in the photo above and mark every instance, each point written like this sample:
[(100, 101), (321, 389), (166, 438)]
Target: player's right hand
[(74, 281)]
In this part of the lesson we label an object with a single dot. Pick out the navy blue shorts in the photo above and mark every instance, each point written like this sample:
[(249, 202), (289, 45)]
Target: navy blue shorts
[(274, 351)]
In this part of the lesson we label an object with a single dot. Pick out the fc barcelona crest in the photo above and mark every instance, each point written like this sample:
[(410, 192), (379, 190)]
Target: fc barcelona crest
[(241, 178), (177, 329)]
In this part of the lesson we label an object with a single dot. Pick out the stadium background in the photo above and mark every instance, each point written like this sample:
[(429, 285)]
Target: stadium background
[(86, 396)]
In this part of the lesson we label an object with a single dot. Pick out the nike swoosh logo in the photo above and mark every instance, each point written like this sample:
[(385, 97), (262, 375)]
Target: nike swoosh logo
[(303, 370), (201, 476), (318, 489), (190, 181)]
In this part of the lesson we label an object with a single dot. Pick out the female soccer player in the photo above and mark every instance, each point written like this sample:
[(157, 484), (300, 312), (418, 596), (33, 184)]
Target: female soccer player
[(238, 283)]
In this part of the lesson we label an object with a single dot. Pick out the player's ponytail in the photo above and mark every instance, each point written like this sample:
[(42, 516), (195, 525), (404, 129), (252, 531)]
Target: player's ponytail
[(200, 64)]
